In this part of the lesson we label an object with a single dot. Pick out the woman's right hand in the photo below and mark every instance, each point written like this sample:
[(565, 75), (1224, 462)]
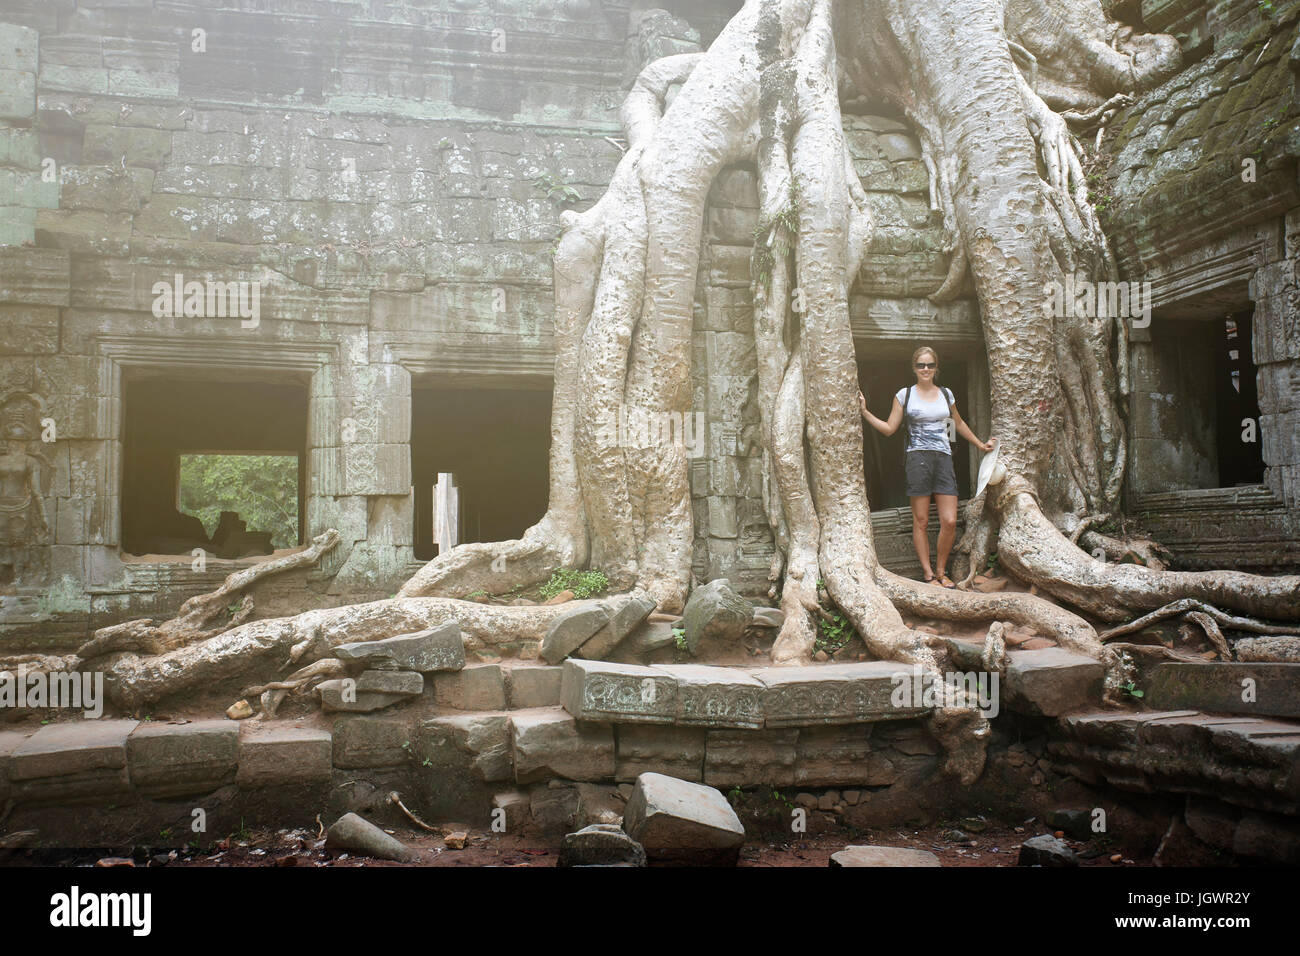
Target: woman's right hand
[(862, 403)]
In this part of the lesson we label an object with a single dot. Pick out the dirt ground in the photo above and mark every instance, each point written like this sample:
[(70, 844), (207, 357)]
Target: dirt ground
[(996, 845)]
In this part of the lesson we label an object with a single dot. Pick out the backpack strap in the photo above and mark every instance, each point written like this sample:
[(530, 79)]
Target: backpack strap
[(908, 403)]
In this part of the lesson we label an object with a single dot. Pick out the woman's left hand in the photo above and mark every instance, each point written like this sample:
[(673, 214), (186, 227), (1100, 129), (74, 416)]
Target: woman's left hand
[(986, 445)]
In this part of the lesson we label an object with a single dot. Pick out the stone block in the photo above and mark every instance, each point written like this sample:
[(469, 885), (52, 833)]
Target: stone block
[(683, 821), (1225, 687), (174, 760), (741, 758), (436, 649), (70, 762), (716, 696), (600, 844), (624, 619), (478, 745), (370, 691), (883, 856), (553, 744), (832, 694), (517, 813), (651, 637), (362, 743), (553, 808), (674, 751), (1052, 681), (9, 742), (282, 756), (535, 687), (623, 693), (715, 612), (475, 687), (833, 756), (570, 630)]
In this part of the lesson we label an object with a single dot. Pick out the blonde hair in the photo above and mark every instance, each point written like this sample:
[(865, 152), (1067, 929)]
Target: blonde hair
[(921, 351)]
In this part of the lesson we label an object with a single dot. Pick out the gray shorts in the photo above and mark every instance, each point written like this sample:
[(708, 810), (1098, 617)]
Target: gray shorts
[(930, 473)]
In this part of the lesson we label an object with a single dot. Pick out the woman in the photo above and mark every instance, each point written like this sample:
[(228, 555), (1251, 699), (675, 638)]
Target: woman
[(929, 457)]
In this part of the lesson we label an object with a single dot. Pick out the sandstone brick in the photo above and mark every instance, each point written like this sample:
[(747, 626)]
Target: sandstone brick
[(172, 760), (276, 756), (550, 744)]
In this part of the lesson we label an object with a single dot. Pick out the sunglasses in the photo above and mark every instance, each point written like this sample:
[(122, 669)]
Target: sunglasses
[(927, 364)]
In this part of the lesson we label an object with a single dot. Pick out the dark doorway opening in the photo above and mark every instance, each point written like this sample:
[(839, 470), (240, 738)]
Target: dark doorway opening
[(883, 458), (197, 446), (496, 442), (1241, 461)]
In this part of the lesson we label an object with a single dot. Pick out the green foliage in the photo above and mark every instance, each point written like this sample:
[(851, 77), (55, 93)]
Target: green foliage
[(1131, 690), (679, 637), (832, 635), (1266, 7), (262, 488), (583, 584), (557, 191), (782, 230)]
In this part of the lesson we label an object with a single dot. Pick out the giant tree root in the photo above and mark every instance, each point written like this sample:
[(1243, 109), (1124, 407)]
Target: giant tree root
[(204, 615)]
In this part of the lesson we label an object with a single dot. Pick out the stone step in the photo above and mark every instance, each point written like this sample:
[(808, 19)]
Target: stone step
[(1249, 761), (1271, 690)]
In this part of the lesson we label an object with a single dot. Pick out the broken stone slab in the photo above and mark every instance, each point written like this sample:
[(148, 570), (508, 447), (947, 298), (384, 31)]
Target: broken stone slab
[(683, 822), (652, 637), (600, 844), (620, 693), (370, 691), (768, 617), (570, 630), (715, 612), (715, 696), (883, 856), (475, 687), (626, 618), (1046, 850), (351, 832), (674, 751), (553, 808), (175, 760), (1052, 681), (436, 649), (535, 687), (69, 762), (1223, 688), (276, 756), (551, 744), (834, 694)]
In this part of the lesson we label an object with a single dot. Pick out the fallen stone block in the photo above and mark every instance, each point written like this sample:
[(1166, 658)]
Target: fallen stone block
[(768, 617), (883, 856), (70, 762), (651, 638), (1046, 850), (550, 744), (683, 822), (535, 687), (568, 631), (174, 760), (362, 743), (354, 833), (622, 622), (280, 756), (600, 845), (834, 694), (621, 693), (715, 612), (460, 761), (1227, 688), (475, 687), (646, 748), (370, 691), (436, 649), (715, 696), (1052, 681)]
